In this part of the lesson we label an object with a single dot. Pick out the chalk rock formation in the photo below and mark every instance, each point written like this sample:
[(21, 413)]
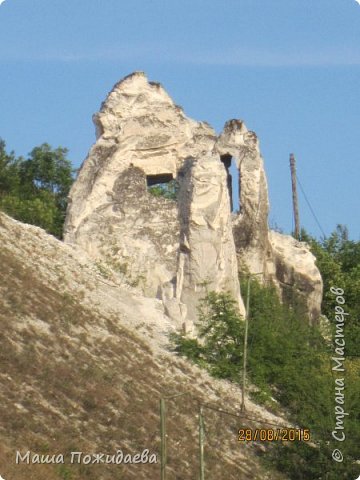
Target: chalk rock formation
[(293, 270), (172, 247), (207, 256), (251, 226)]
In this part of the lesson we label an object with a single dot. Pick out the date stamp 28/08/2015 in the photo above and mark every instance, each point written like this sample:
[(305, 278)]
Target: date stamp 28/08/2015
[(273, 435)]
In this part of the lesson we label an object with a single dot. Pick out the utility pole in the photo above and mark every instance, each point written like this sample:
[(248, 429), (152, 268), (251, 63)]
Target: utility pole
[(294, 196), (201, 443), (163, 439), (163, 447), (245, 344)]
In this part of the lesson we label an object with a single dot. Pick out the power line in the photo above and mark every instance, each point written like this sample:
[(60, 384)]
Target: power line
[(310, 207), (223, 411), (241, 416)]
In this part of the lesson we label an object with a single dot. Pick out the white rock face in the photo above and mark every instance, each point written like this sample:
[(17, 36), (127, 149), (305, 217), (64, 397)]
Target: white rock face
[(139, 126), (171, 247), (207, 256), (294, 271), (251, 225)]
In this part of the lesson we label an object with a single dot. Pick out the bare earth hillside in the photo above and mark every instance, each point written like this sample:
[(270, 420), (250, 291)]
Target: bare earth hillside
[(84, 362)]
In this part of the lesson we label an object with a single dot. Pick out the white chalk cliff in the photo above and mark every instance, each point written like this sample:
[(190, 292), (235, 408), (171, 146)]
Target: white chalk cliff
[(175, 249)]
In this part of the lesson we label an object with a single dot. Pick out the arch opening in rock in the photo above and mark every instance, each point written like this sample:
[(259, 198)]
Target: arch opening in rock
[(233, 181)]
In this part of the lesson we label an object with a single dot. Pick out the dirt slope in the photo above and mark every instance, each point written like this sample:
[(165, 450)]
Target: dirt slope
[(83, 364)]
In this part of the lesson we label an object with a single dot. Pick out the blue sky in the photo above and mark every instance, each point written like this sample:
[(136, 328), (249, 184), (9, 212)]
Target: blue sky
[(289, 68)]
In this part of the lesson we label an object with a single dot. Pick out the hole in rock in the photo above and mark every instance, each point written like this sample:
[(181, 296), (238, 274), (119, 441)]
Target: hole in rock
[(233, 181), (162, 185)]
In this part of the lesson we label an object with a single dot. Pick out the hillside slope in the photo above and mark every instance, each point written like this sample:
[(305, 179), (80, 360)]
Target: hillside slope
[(83, 366)]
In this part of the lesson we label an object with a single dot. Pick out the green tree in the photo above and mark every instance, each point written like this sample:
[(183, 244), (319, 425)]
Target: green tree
[(219, 346), (35, 190), (9, 171), (167, 190), (49, 169), (221, 332)]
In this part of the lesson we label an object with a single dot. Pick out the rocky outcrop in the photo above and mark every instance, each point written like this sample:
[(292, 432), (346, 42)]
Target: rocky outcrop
[(251, 225), (143, 139), (293, 270), (172, 247)]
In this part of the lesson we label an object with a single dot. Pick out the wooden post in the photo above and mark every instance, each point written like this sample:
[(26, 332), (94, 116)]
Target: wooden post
[(201, 444), (245, 344), (162, 439), (294, 196)]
